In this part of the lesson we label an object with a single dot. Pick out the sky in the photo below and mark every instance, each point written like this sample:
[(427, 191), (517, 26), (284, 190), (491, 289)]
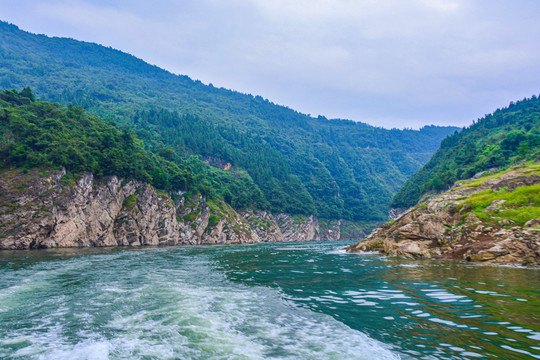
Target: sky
[(390, 63)]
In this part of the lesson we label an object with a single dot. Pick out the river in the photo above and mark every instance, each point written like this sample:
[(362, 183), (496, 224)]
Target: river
[(262, 301)]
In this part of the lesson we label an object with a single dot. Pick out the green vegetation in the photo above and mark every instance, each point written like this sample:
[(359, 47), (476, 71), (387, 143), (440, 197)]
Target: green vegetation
[(191, 216), (281, 160), (130, 202), (213, 220), (497, 140), (519, 205), (531, 169), (41, 134)]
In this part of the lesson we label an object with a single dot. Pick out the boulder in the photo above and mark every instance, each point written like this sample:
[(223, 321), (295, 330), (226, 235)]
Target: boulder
[(532, 223)]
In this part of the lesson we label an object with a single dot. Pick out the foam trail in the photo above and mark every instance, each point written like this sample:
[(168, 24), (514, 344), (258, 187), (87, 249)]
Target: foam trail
[(161, 305)]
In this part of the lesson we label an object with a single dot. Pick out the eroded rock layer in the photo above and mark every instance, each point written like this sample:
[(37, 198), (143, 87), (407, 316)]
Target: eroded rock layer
[(44, 209), (481, 220)]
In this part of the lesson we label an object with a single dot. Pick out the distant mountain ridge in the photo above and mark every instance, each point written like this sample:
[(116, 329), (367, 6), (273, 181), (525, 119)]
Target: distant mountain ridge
[(336, 169)]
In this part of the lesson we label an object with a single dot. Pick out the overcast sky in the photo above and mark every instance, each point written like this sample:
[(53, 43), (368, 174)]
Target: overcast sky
[(391, 63)]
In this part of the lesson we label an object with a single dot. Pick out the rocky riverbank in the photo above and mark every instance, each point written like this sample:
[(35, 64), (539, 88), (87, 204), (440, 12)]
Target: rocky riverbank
[(47, 209), (494, 218)]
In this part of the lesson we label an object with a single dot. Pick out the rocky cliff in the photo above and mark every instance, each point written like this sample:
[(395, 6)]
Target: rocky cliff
[(46, 209), (494, 218)]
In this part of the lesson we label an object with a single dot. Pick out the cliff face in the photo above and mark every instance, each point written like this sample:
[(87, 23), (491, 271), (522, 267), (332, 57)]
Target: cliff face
[(43, 209), (491, 219)]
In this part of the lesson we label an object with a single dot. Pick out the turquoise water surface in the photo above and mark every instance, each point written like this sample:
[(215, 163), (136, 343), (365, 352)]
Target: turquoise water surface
[(263, 301)]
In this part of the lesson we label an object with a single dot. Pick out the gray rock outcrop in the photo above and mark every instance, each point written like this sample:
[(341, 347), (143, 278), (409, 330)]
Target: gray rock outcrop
[(44, 209)]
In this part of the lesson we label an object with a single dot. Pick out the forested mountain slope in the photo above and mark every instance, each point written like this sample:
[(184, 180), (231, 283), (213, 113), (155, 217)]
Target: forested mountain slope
[(37, 134), (68, 179), (503, 138), (330, 168)]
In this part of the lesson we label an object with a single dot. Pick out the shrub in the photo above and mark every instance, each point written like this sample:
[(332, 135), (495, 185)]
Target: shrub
[(130, 202)]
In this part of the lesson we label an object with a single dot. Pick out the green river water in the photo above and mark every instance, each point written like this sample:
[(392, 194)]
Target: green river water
[(263, 301)]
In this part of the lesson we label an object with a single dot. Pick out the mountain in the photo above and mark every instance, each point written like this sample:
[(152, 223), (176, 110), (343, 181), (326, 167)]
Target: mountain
[(505, 137), (336, 169), (47, 135), (69, 179), (493, 216)]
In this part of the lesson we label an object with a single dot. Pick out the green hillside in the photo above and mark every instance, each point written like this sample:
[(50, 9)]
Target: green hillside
[(34, 134), (331, 168), (500, 139)]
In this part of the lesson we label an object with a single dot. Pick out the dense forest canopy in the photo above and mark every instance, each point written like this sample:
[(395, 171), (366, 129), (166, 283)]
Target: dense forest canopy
[(47, 135), (331, 168), (505, 137)]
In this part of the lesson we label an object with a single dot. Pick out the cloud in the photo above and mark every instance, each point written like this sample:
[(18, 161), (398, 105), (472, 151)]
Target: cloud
[(392, 62)]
